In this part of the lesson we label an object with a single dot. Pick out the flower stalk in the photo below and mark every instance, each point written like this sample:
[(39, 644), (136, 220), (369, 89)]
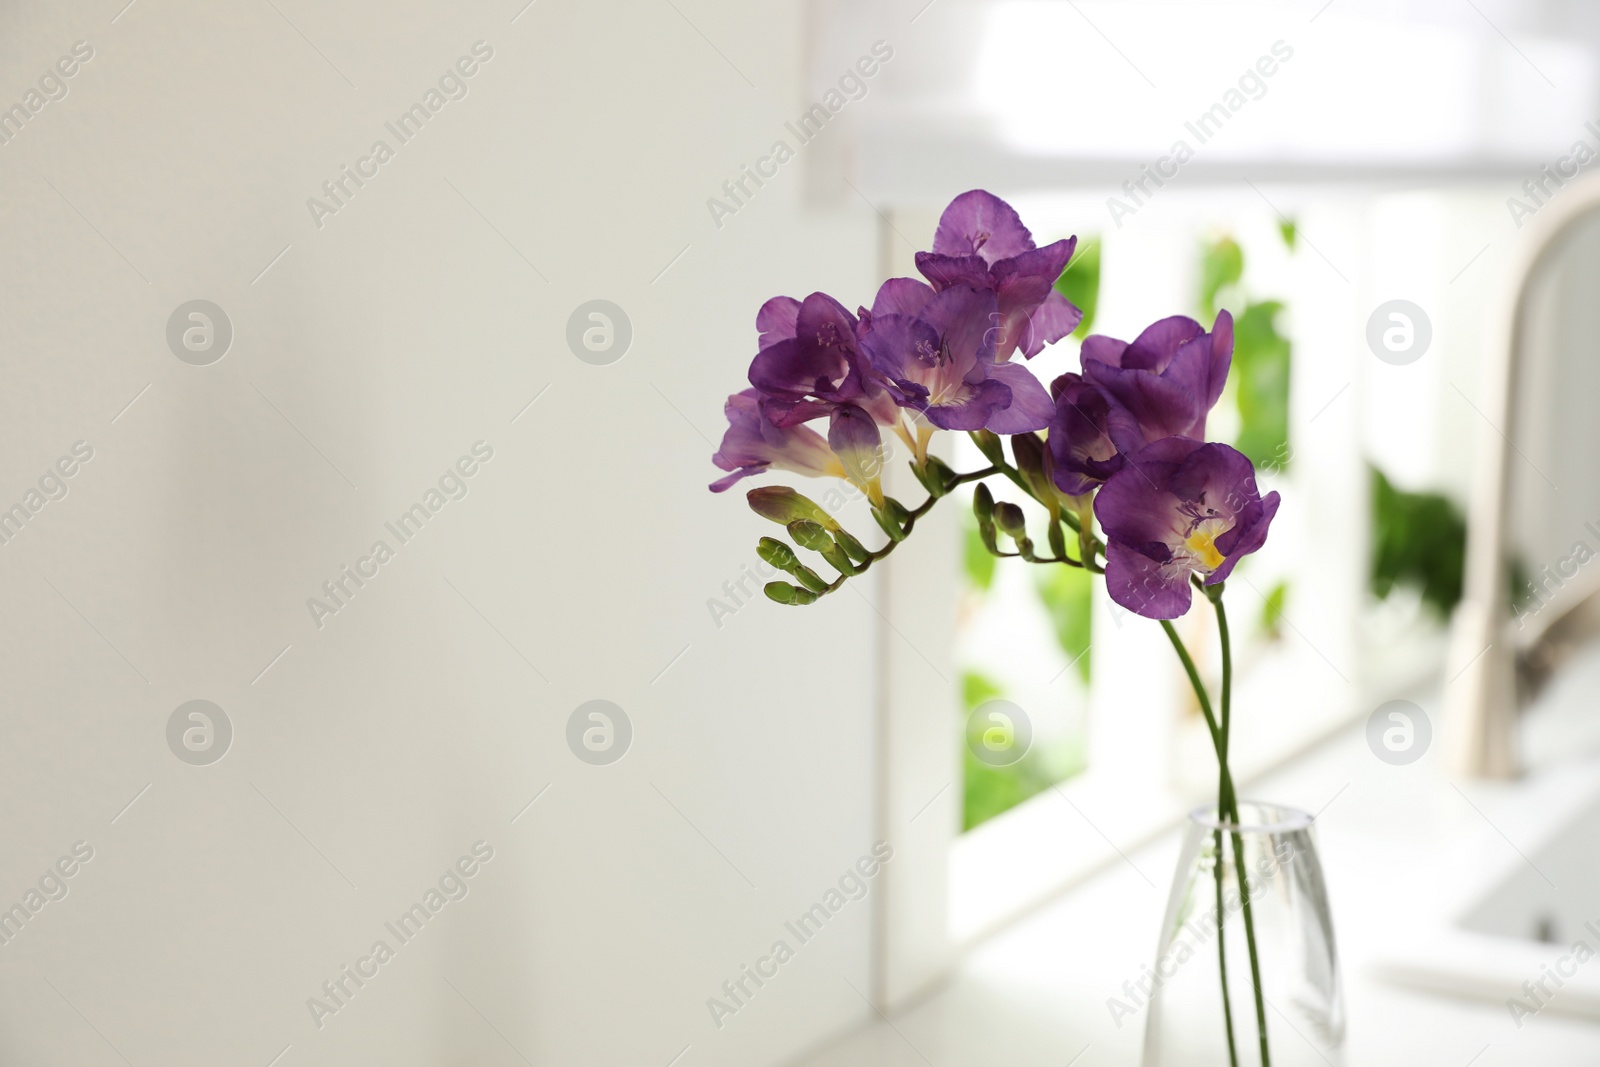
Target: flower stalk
[(1115, 454)]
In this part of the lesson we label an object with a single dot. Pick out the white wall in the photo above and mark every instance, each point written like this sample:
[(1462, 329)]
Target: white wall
[(418, 719)]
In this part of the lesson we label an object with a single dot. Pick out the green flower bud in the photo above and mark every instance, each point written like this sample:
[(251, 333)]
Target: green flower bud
[(776, 553), (929, 480), (1029, 451), (1011, 519), (940, 473), (783, 505), (808, 534), (983, 504), (890, 527), (784, 593), (839, 560), (983, 509), (810, 578), (1058, 543), (855, 549), (989, 444)]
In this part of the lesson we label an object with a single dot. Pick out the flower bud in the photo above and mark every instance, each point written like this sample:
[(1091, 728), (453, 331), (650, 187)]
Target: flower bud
[(983, 504), (839, 560), (853, 548), (983, 510), (784, 593), (888, 524), (783, 505), (1029, 451), (935, 476), (808, 534), (989, 444), (777, 554), (1011, 519), (809, 578)]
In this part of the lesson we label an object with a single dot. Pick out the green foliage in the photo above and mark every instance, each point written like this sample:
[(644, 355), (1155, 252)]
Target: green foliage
[(1419, 541), (1521, 582), (980, 562), (978, 689), (1080, 283), (1288, 231), (1065, 593), (1272, 610), (1221, 266), (992, 790), (1260, 381), (987, 791)]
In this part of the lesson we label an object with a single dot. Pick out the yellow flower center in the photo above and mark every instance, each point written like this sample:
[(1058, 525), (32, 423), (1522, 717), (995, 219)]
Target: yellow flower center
[(1203, 544)]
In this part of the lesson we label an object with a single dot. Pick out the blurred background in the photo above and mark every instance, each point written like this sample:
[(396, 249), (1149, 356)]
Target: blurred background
[(363, 364)]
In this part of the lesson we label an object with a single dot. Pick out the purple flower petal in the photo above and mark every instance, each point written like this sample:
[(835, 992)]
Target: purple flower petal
[(901, 296), (1031, 407), (776, 320), (1145, 407), (1082, 454), (1137, 507), (947, 271), (964, 319), (1186, 508), (980, 223), (753, 443), (1098, 348), (1144, 586), (853, 435), (1054, 319), (1153, 349), (971, 408), (727, 481), (1164, 383)]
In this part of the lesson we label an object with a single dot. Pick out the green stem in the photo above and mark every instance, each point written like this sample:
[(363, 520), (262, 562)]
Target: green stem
[(1225, 786), (1224, 791)]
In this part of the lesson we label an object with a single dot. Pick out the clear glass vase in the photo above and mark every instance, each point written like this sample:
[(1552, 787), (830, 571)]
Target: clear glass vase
[(1281, 905)]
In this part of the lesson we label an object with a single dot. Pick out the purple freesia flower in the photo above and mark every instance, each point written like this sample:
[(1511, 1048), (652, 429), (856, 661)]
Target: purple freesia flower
[(810, 363), (981, 243), (1164, 383), (1082, 454), (1179, 507), (808, 360), (935, 354), (753, 443)]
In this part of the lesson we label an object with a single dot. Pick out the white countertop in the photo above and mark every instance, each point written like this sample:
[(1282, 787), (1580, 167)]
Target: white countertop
[(1395, 842)]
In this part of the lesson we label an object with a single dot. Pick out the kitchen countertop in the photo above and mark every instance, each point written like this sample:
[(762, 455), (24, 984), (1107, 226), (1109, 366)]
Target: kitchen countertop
[(1395, 843)]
